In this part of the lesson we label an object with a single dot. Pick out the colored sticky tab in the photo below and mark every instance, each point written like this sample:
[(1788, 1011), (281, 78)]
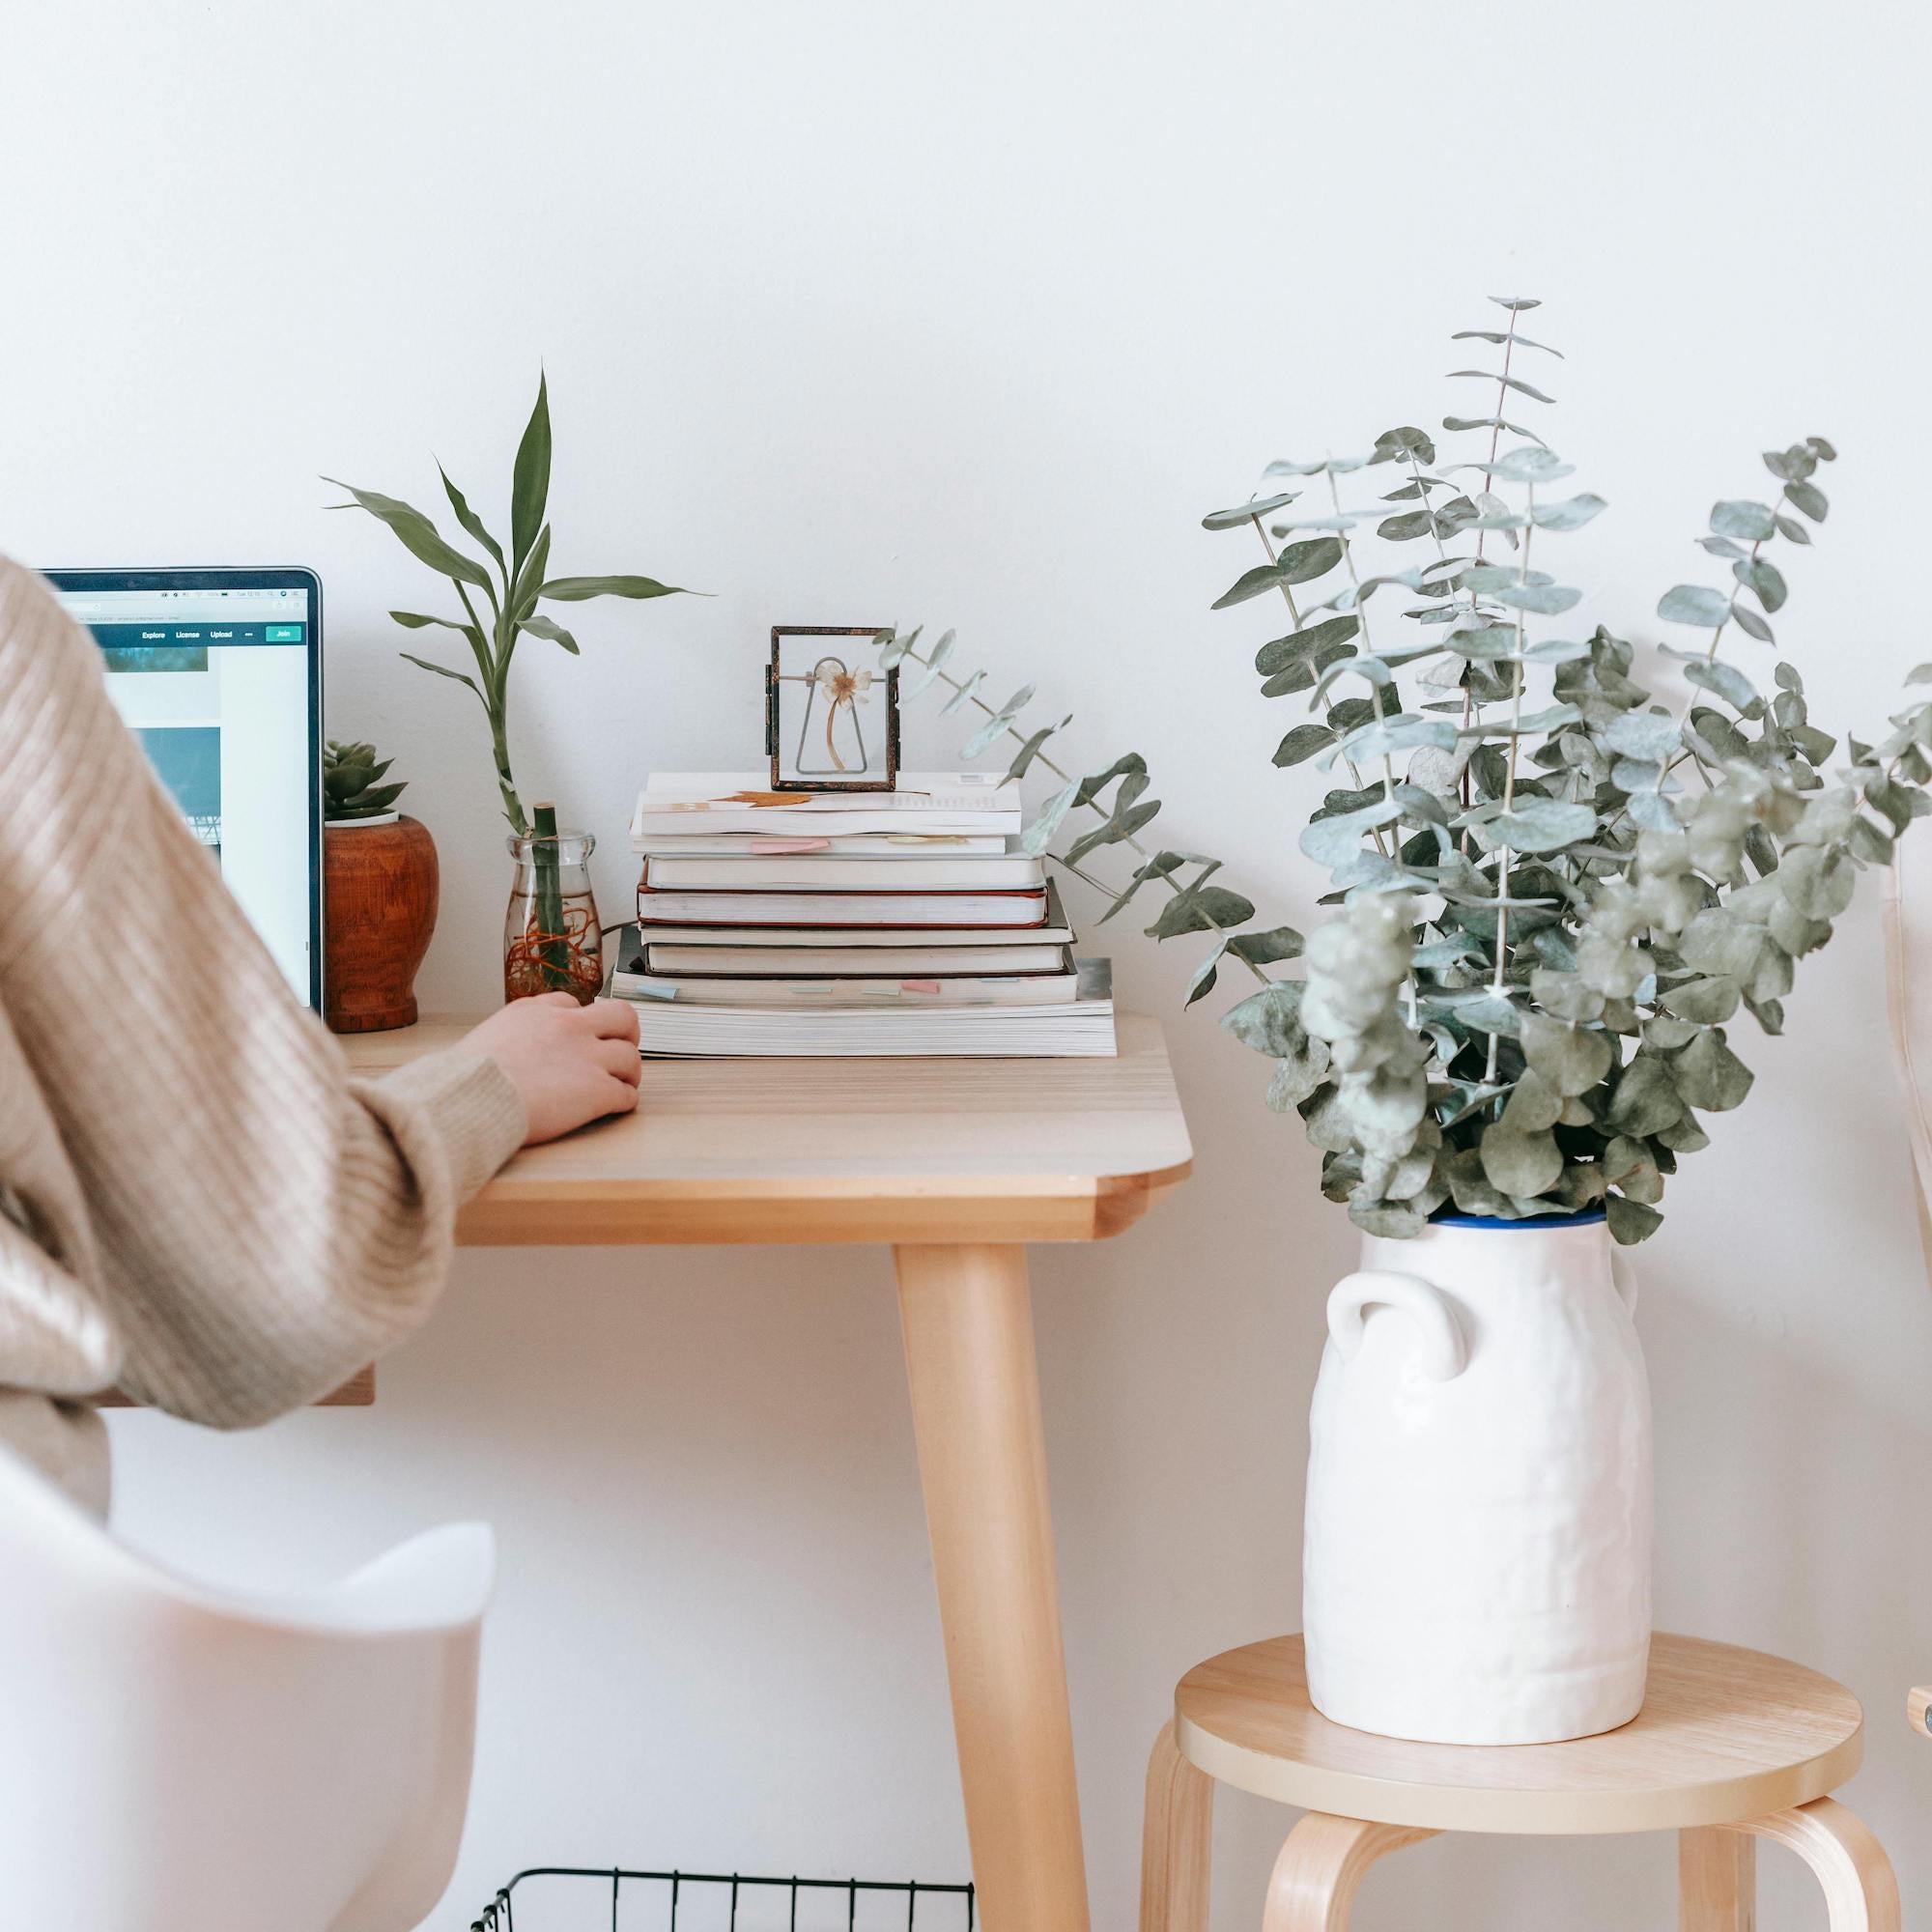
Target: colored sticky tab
[(768, 846), (919, 986)]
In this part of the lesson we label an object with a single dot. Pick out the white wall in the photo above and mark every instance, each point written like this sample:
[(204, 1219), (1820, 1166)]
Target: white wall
[(861, 312)]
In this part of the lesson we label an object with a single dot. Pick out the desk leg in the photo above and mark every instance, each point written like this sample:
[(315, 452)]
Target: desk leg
[(968, 1321)]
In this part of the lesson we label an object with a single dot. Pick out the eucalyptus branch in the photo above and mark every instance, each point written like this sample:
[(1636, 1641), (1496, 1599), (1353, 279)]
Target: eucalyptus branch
[(1134, 845), (1287, 595), (1509, 782)]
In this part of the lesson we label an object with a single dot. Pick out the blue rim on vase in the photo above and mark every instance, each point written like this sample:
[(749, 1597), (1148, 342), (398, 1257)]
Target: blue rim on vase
[(1583, 1217)]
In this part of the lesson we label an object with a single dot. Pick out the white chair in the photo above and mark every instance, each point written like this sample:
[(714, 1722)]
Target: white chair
[(173, 1759)]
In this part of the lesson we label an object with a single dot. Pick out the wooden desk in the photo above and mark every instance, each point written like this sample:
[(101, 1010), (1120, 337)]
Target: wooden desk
[(956, 1164)]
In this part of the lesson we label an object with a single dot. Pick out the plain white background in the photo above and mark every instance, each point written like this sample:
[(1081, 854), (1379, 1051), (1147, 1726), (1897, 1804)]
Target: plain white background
[(871, 313)]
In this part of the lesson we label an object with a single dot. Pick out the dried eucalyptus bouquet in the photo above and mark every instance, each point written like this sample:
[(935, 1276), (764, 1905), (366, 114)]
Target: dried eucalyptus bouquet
[(1557, 888)]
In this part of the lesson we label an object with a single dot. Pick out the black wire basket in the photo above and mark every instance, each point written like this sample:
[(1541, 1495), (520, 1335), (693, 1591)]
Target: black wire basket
[(584, 1898)]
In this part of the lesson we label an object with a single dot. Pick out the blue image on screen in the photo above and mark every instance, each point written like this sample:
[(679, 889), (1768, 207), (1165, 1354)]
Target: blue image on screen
[(188, 759)]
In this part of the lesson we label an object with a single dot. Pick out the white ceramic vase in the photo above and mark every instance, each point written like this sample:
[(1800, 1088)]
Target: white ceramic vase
[(1477, 1564)]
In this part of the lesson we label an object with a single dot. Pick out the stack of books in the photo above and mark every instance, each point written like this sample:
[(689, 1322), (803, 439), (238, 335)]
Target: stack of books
[(908, 921)]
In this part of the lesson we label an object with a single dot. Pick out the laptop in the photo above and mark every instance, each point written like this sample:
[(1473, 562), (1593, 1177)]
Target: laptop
[(218, 673)]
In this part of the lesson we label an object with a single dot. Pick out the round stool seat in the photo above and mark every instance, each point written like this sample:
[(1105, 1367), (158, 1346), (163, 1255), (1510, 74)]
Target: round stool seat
[(1724, 1735)]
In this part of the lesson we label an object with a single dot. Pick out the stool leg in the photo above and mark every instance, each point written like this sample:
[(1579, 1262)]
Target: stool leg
[(1860, 1893), (1175, 1842), (1320, 1867), (1717, 1880)]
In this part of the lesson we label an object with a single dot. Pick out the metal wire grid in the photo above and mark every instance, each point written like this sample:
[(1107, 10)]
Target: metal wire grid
[(711, 1900)]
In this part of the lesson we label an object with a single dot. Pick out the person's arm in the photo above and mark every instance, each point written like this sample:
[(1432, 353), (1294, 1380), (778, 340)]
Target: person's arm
[(262, 1223)]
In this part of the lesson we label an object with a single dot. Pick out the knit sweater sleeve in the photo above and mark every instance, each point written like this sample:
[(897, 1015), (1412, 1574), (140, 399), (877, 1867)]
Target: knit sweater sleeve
[(261, 1222)]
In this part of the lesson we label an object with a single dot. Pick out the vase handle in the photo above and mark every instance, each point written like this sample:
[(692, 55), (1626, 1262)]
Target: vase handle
[(1444, 1353), (1623, 1280)]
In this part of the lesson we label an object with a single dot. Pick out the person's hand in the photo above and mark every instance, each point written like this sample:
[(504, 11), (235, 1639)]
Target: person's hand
[(571, 1064)]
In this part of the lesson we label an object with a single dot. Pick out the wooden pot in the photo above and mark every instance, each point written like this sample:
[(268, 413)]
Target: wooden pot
[(380, 884)]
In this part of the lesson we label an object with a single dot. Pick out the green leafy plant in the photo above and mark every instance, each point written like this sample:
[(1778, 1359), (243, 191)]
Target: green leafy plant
[(1557, 888), (349, 783), (511, 588)]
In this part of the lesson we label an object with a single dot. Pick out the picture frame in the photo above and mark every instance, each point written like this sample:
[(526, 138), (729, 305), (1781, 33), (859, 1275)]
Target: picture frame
[(832, 716)]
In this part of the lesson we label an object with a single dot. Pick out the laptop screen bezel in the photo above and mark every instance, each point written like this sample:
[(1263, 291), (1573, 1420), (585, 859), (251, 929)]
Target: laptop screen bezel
[(278, 577)]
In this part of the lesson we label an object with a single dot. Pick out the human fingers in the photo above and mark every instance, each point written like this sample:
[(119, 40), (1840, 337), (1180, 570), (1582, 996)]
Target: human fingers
[(611, 1019), (620, 1056)]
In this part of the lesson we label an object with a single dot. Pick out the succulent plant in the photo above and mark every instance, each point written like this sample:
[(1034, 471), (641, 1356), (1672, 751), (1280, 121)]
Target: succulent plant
[(351, 787)]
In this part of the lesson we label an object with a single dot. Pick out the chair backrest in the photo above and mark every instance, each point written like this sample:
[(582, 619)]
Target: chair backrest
[(174, 1760)]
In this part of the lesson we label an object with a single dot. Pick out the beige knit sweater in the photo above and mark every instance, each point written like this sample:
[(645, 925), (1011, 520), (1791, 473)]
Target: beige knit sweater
[(197, 1202)]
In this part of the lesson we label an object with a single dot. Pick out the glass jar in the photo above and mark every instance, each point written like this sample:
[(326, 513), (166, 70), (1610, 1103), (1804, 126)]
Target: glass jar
[(552, 943)]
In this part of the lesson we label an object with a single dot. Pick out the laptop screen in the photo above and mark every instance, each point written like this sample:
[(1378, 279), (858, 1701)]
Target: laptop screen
[(217, 685)]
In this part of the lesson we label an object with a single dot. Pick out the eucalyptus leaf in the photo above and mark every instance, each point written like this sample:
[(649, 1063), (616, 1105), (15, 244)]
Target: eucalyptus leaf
[(1728, 682), (1764, 578), (897, 647), (1570, 1059), (1255, 583), (1266, 949), (1708, 1000), (1646, 1099), (1629, 1164), (995, 727), (1642, 734), (1542, 825), (1506, 381), (1038, 836), (1808, 497), (1521, 1164), (1485, 422), (1403, 732), (1122, 825), (1243, 513), (1298, 1074), (1269, 1021), (1313, 644), (1548, 600), (1200, 909), (1694, 604), (1570, 515), (1303, 562), (1201, 981), (1533, 1106), (1303, 743), (1030, 747), (1816, 882), (1497, 335), (1737, 518), (1710, 1075), (1630, 1221), (935, 658), (963, 694)]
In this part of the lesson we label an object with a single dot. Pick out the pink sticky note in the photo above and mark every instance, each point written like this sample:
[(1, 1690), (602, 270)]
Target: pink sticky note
[(918, 985), (792, 845)]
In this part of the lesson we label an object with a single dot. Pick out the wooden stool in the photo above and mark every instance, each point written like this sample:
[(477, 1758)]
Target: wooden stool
[(1731, 1745)]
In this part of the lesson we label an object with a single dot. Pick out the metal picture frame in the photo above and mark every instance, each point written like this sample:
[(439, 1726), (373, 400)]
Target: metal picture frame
[(829, 708)]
